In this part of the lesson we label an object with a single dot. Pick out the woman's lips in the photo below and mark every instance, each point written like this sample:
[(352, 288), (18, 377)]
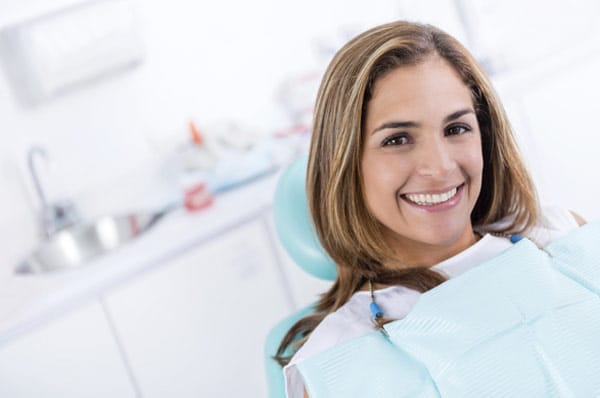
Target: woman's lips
[(435, 201)]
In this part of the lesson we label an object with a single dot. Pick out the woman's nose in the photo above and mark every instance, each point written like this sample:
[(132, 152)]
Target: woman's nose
[(435, 158)]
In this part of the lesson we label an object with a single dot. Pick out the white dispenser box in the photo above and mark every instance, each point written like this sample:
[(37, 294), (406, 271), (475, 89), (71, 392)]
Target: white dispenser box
[(52, 53)]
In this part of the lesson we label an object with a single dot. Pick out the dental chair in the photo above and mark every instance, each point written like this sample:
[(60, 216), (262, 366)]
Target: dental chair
[(297, 235)]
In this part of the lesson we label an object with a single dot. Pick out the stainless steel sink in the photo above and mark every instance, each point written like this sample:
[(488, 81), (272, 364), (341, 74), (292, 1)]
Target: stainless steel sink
[(76, 245), (70, 243)]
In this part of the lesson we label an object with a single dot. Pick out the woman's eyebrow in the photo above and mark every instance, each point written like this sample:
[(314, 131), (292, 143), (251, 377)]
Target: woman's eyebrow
[(395, 125), (457, 114), (409, 124)]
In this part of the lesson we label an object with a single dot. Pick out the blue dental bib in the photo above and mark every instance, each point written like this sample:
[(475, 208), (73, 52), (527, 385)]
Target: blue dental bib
[(523, 324)]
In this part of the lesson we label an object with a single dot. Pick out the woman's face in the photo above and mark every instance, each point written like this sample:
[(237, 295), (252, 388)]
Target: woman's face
[(422, 161)]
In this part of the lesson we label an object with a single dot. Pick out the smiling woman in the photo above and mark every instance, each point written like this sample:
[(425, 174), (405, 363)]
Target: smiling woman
[(413, 178)]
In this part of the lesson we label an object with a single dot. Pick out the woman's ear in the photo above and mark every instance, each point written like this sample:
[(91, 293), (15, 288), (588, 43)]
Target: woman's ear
[(580, 220)]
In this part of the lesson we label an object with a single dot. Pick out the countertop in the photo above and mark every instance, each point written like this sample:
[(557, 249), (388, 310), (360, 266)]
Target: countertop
[(29, 300)]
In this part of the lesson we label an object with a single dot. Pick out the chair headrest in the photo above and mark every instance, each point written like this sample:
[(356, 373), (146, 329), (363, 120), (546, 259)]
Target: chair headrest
[(294, 224)]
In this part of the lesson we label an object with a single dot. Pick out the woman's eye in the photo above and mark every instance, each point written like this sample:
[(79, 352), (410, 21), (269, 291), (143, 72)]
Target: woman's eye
[(396, 140), (457, 130)]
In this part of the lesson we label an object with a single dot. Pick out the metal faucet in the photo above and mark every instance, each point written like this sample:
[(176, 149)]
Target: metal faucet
[(54, 216)]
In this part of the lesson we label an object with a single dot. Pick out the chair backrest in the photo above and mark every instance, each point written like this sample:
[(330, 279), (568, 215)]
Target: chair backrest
[(294, 226), (274, 372), (297, 235)]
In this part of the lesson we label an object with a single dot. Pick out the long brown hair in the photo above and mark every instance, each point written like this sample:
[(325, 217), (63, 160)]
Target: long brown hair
[(349, 233)]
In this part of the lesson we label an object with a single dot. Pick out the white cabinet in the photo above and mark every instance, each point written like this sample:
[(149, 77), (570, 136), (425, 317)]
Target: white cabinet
[(73, 356), (195, 327)]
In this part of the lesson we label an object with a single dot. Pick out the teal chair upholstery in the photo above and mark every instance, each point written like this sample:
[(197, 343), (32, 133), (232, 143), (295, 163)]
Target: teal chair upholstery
[(275, 381), (297, 235)]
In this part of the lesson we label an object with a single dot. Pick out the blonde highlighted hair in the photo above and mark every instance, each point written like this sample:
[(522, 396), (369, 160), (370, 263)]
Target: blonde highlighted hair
[(347, 230)]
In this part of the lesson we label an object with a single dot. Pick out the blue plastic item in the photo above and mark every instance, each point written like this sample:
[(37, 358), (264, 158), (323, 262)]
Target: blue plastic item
[(294, 226), (375, 310), (514, 238)]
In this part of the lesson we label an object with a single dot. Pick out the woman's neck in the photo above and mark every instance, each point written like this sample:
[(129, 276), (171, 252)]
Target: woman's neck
[(419, 254), (413, 254)]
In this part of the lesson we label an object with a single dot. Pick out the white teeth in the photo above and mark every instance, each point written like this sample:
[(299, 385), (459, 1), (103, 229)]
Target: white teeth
[(431, 199)]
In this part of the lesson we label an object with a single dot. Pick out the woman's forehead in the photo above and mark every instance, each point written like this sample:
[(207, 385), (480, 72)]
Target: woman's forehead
[(429, 88)]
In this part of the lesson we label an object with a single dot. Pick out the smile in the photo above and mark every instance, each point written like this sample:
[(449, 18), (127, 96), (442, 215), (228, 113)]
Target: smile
[(432, 199)]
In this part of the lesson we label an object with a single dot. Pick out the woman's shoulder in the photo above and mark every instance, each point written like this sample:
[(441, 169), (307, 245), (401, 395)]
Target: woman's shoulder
[(558, 218), (335, 328), (353, 319), (554, 222), (350, 321)]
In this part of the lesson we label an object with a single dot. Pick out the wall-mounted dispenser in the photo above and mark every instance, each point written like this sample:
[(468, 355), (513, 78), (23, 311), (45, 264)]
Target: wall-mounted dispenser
[(55, 52)]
